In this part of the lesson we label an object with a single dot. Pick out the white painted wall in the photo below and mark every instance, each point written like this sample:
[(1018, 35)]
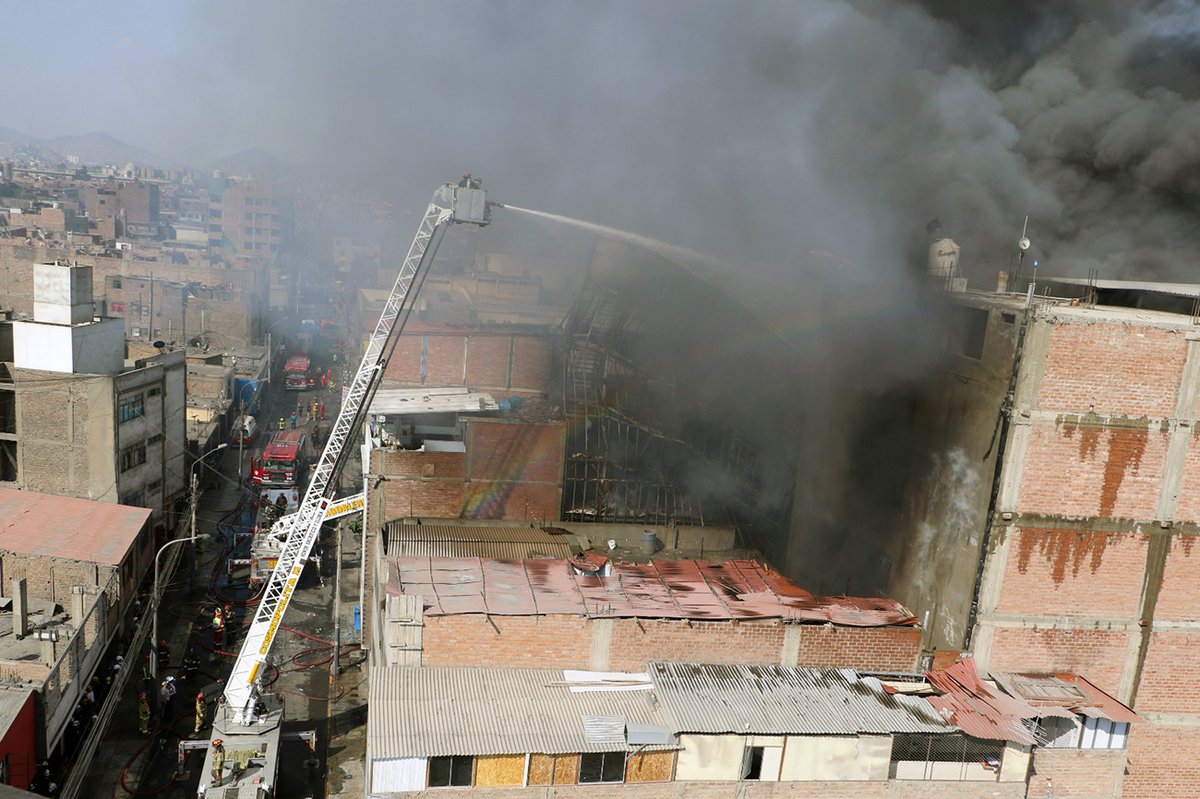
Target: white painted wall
[(842, 758), (1014, 766), (710, 757), (97, 348), (62, 295)]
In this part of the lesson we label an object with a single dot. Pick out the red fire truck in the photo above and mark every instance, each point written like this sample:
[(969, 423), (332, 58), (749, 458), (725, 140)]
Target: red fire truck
[(282, 469), (295, 373)]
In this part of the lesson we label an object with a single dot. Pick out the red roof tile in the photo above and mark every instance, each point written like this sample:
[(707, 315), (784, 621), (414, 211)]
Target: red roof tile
[(689, 589), (65, 527)]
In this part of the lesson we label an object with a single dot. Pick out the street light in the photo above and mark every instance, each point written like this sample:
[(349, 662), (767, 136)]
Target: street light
[(155, 597), (154, 604)]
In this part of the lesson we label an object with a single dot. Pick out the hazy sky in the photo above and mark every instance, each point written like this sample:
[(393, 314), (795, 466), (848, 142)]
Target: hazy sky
[(743, 128)]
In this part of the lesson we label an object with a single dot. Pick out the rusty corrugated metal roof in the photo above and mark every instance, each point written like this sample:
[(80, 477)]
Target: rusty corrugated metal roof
[(472, 541), (785, 700), (976, 708), (1051, 694), (688, 589), (65, 527)]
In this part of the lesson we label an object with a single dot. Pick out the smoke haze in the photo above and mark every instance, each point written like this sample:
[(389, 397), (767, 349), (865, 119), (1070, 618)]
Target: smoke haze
[(749, 130)]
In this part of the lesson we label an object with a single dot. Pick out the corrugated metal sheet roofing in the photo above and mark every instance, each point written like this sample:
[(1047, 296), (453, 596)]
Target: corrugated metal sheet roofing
[(427, 712), (781, 700), (736, 589), (64, 527), (978, 709), (424, 399), (457, 541), (1083, 697)]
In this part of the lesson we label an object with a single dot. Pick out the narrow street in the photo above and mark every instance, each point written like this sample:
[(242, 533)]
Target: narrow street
[(131, 764)]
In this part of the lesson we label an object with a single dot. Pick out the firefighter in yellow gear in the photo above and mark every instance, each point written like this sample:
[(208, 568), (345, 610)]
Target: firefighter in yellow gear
[(200, 712), (143, 714), (218, 762)]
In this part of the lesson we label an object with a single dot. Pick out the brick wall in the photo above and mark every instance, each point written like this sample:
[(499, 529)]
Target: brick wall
[(1078, 773), (868, 648), (1170, 673), (743, 790), (530, 642), (1088, 469), (634, 644), (557, 641), (1073, 572), (1178, 598), (1098, 654), (484, 360), (1164, 761), (51, 578), (1113, 368)]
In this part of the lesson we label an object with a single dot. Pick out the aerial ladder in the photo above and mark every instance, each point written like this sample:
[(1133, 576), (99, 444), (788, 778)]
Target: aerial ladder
[(248, 721)]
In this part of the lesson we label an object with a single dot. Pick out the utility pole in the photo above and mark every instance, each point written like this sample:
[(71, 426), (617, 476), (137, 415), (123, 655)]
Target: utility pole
[(336, 664), (241, 441)]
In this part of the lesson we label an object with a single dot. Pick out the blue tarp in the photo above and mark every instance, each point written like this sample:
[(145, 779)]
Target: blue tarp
[(245, 390)]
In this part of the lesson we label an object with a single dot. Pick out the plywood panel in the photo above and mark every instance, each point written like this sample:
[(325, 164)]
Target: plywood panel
[(650, 767), (493, 770), (541, 769), (566, 769)]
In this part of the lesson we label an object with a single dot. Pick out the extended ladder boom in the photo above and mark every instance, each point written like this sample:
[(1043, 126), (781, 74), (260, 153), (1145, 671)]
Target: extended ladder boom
[(450, 204)]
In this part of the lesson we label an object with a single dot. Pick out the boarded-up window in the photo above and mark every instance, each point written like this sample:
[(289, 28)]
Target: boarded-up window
[(493, 770), (566, 769), (541, 769), (650, 767)]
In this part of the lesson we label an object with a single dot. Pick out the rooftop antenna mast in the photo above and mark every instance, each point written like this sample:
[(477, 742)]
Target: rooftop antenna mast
[(1022, 245)]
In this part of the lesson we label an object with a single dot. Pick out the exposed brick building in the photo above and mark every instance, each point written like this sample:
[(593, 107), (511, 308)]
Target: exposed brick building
[(546, 614)]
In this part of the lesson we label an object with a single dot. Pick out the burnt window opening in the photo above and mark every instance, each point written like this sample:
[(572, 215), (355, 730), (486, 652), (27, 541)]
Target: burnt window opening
[(967, 332)]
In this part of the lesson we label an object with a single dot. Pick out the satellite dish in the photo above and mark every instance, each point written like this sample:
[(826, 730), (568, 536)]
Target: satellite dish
[(1024, 243), (160, 344)]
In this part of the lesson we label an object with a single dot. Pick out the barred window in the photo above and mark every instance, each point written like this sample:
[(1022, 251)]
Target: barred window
[(951, 756), (133, 456), (132, 408)]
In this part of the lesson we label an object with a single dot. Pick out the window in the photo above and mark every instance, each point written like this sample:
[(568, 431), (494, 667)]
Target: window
[(602, 767), (1103, 734), (133, 456), (967, 331), (137, 499), (945, 756), (116, 282), (451, 771), (132, 408), (752, 763)]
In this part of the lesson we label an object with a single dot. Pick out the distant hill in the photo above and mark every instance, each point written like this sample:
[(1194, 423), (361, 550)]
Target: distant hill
[(100, 148), (92, 148)]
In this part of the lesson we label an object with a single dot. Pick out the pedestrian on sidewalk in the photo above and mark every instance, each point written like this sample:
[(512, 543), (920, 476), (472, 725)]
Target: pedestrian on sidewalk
[(293, 421), (143, 714)]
